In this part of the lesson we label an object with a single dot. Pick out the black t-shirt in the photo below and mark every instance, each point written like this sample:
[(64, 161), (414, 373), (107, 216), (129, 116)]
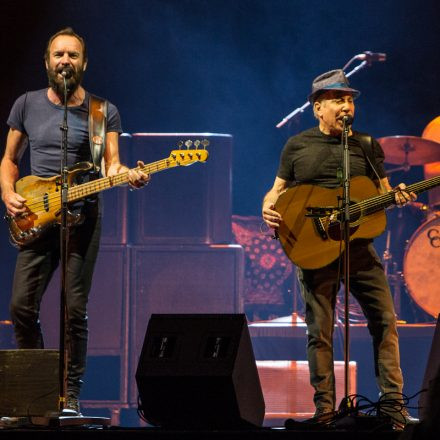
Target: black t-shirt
[(313, 157)]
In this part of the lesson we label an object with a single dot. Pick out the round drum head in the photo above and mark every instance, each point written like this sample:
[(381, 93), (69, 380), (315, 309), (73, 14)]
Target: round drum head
[(421, 266)]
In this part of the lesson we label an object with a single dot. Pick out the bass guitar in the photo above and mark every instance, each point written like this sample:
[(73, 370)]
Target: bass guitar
[(43, 195), (311, 230)]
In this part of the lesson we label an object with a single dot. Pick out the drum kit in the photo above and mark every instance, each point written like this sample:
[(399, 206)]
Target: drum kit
[(421, 258)]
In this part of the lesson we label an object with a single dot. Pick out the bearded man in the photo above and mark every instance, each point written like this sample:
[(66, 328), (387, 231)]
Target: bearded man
[(35, 121)]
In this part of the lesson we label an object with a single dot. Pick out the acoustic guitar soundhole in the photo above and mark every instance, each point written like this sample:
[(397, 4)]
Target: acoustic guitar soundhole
[(334, 230)]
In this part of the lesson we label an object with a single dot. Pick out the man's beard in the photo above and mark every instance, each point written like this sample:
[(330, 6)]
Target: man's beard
[(57, 83)]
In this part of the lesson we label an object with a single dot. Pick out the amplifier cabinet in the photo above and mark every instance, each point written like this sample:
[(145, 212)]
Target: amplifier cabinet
[(114, 220), (107, 320), (115, 217), (106, 307), (183, 205), (287, 390), (181, 279)]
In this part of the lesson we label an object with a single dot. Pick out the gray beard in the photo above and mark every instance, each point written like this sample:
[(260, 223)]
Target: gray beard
[(57, 84)]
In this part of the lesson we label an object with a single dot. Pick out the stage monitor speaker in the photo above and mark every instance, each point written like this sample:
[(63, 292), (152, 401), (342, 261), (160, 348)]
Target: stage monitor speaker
[(199, 371), (429, 401), (28, 382)]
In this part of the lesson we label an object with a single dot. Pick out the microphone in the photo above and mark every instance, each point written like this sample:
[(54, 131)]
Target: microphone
[(371, 57), (347, 120), (67, 72)]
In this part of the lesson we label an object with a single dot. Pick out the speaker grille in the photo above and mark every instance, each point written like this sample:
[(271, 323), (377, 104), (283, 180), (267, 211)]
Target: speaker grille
[(28, 382)]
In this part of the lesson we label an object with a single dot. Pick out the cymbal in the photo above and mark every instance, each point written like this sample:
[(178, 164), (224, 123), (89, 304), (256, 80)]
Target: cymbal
[(412, 150)]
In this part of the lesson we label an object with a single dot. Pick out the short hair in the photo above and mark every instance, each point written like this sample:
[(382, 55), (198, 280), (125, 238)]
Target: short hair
[(318, 98), (66, 31)]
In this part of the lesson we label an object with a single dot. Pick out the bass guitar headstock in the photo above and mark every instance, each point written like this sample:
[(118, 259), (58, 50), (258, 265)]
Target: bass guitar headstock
[(187, 156)]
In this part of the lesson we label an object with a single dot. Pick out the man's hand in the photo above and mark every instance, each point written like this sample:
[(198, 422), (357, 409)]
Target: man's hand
[(14, 202), (136, 178), (403, 197), (270, 216)]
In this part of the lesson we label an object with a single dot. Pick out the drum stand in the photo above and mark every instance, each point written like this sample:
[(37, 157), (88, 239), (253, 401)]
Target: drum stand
[(296, 317), (394, 276)]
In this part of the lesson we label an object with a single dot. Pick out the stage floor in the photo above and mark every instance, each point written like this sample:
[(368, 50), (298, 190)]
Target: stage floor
[(162, 434), (271, 341)]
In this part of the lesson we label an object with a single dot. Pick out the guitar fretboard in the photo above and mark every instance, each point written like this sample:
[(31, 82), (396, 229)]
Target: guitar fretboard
[(95, 186), (377, 203)]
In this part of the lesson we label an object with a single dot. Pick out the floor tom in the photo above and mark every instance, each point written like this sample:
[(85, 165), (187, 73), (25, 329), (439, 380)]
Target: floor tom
[(421, 266)]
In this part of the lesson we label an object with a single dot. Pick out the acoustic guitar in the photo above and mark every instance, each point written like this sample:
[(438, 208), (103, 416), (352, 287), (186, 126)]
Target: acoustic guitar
[(43, 195), (311, 230)]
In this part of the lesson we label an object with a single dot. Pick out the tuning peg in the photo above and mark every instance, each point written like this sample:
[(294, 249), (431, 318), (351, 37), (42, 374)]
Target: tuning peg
[(197, 143), (179, 144), (205, 143), (188, 143)]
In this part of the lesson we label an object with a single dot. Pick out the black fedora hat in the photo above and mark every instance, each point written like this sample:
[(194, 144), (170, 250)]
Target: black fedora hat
[(333, 80)]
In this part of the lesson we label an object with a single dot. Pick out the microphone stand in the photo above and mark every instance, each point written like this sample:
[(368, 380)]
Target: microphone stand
[(346, 236), (64, 243), (301, 109), (59, 419)]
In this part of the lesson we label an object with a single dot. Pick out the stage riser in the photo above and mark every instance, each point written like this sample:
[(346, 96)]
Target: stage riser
[(289, 343), (287, 390)]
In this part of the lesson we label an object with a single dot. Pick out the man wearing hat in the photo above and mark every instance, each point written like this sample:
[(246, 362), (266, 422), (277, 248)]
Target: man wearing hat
[(315, 157)]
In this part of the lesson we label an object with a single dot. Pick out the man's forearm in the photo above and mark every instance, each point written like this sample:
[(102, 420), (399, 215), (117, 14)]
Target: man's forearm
[(8, 175)]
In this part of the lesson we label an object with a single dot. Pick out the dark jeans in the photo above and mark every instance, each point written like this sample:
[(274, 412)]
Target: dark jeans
[(35, 266), (369, 286)]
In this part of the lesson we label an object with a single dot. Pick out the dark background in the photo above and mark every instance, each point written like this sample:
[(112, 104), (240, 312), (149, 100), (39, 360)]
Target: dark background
[(236, 67), (232, 66)]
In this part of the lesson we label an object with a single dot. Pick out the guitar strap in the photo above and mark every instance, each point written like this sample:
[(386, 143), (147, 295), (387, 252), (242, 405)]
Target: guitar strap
[(97, 129), (367, 146)]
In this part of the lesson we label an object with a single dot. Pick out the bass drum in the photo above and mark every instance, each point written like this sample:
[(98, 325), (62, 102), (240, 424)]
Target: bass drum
[(421, 266)]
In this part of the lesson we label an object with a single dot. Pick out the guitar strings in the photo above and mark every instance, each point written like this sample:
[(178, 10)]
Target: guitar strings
[(382, 200), (104, 182), (37, 205)]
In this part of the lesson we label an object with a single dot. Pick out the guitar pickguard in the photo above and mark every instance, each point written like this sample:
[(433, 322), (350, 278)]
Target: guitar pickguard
[(320, 229)]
